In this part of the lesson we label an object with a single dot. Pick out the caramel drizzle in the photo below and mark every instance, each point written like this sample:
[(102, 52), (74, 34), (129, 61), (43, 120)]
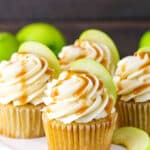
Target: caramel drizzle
[(140, 88), (54, 92), (119, 86), (82, 110), (98, 54), (109, 106), (24, 96), (142, 55), (78, 44), (79, 91)]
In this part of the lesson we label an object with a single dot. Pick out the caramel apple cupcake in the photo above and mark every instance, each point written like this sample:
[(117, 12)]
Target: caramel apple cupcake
[(22, 83), (133, 84), (80, 111), (93, 44)]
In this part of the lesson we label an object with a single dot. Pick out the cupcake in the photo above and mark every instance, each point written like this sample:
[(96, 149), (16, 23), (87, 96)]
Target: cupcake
[(92, 44), (133, 85), (22, 82), (80, 111)]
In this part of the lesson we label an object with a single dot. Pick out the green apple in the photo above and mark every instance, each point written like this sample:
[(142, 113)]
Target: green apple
[(43, 51), (44, 33), (101, 37), (91, 66), (132, 138), (8, 45), (145, 39)]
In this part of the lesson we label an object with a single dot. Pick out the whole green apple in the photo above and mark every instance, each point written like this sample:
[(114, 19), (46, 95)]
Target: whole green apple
[(44, 33), (8, 45)]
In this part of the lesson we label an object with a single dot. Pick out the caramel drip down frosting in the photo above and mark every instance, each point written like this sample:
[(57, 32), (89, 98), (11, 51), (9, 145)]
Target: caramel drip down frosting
[(77, 96), (133, 77), (23, 79), (86, 49)]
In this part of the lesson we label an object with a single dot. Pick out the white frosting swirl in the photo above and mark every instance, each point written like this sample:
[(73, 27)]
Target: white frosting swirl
[(77, 96), (133, 78), (86, 49), (23, 79)]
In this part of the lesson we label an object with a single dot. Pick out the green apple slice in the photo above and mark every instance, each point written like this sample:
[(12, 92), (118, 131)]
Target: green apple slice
[(144, 49), (44, 33), (43, 51), (91, 66), (100, 37), (132, 138)]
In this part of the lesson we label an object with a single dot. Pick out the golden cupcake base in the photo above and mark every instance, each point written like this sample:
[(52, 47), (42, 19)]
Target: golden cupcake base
[(95, 135), (134, 114), (21, 121)]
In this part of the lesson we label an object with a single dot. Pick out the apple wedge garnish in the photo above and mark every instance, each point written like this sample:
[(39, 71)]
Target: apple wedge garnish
[(101, 37), (91, 66), (132, 138), (42, 51)]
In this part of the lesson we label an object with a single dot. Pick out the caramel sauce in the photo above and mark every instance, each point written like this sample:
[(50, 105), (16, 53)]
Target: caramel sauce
[(119, 86), (24, 96), (83, 97), (104, 62), (54, 92), (96, 49), (145, 71), (82, 87), (100, 85), (49, 72), (141, 88), (69, 74), (109, 106), (91, 78), (142, 54), (103, 95), (82, 110), (78, 43)]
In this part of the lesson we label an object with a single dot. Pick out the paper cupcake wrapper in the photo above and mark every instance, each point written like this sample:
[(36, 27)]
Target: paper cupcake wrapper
[(21, 121), (134, 114), (95, 135)]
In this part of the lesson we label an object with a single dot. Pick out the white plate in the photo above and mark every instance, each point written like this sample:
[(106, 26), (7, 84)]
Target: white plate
[(33, 144)]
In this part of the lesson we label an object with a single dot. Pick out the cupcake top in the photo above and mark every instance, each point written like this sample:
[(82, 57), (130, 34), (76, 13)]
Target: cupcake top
[(86, 49), (132, 77), (77, 96), (23, 79)]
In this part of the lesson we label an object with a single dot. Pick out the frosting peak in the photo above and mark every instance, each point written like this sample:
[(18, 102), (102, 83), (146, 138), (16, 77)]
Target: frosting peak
[(23, 79), (77, 96), (133, 77), (86, 49)]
